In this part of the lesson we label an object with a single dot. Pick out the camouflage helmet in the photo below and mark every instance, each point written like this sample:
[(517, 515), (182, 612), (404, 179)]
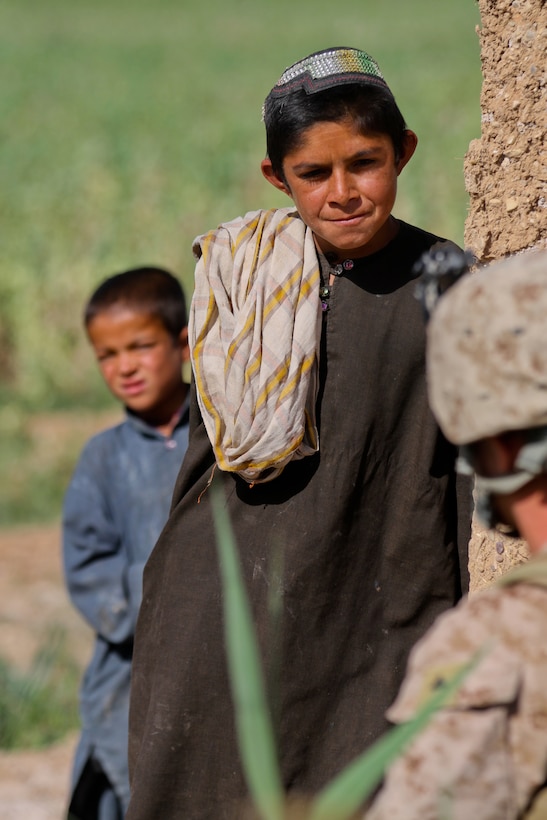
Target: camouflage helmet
[(487, 350)]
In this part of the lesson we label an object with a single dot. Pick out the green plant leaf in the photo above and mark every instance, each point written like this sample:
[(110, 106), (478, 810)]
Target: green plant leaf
[(253, 721)]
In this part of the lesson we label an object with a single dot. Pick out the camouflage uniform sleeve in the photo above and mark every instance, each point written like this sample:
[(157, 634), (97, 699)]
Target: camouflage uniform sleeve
[(458, 768), (465, 764)]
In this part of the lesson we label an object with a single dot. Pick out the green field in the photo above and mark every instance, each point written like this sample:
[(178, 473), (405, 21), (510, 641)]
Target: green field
[(127, 128)]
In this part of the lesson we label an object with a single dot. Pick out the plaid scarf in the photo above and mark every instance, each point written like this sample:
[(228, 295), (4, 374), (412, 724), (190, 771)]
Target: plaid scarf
[(255, 326)]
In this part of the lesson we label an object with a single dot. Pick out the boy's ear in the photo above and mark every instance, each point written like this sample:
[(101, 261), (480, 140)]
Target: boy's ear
[(496, 455), (184, 346), (510, 444), (275, 180), (410, 142)]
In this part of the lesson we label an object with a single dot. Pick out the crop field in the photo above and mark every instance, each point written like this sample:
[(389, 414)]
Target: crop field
[(127, 128)]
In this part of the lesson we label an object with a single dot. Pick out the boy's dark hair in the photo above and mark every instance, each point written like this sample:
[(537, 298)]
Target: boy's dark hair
[(372, 108), (148, 290)]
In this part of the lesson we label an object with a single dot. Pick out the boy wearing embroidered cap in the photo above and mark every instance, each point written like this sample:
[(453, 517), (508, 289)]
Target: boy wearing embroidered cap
[(484, 756), (310, 409)]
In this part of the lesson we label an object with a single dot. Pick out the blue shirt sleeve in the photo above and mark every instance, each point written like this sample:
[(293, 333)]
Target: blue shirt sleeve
[(102, 582)]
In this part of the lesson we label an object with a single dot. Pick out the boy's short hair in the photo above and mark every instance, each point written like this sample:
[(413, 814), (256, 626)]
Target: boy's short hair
[(149, 290), (322, 89)]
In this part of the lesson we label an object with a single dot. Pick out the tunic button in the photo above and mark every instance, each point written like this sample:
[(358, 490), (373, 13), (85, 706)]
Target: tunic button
[(171, 444)]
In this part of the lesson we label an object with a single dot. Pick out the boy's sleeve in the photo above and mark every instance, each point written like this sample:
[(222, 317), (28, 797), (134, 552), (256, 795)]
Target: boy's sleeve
[(101, 583)]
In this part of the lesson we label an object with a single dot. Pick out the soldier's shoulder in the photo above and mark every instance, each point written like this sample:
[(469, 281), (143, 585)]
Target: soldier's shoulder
[(500, 628)]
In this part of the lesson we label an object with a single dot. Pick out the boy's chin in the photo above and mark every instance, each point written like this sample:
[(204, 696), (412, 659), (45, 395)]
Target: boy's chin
[(354, 247), (143, 408), (345, 250)]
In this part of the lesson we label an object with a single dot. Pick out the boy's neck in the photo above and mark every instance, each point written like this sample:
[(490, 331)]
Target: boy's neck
[(166, 422)]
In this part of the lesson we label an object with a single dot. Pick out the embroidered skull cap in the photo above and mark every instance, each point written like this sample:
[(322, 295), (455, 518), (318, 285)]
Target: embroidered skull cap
[(329, 68)]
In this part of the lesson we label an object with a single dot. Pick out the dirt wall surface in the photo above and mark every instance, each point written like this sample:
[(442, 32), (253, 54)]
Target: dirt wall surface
[(506, 169), (506, 178)]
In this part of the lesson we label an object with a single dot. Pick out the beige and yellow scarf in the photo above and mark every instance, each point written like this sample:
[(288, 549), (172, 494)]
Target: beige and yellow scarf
[(255, 326)]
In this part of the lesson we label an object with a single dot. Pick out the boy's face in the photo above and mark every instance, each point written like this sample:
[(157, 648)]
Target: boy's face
[(343, 184), (140, 362)]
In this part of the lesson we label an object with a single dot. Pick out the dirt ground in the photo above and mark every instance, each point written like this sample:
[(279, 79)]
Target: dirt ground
[(33, 784)]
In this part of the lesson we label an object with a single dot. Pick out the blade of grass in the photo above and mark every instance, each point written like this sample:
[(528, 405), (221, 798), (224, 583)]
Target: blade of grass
[(343, 796), (40, 706), (253, 721)]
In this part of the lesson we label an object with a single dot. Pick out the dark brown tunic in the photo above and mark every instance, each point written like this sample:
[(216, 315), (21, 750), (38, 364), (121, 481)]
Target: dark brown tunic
[(374, 532)]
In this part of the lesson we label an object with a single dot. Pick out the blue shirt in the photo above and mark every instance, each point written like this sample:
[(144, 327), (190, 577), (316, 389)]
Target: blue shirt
[(114, 510)]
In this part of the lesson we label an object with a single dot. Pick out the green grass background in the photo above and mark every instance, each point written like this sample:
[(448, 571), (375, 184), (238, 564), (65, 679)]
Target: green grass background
[(127, 128)]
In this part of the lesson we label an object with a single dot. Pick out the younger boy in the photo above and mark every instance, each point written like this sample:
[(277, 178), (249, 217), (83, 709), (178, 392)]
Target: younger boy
[(115, 506), (310, 410)]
